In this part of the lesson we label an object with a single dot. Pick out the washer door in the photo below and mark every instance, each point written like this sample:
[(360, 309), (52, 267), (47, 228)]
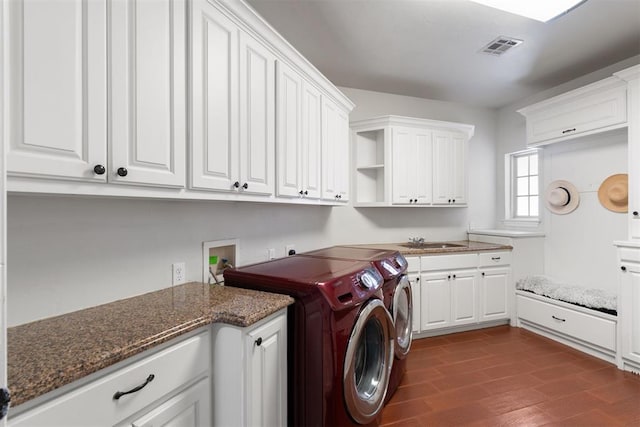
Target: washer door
[(402, 312), (367, 363)]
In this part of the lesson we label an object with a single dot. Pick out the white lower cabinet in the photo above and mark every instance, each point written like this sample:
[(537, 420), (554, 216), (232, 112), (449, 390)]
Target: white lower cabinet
[(448, 298), (250, 371), (462, 290), (176, 392), (189, 408), (494, 293)]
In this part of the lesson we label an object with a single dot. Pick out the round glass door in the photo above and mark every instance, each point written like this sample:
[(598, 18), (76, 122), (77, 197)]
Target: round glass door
[(402, 312), (368, 362)]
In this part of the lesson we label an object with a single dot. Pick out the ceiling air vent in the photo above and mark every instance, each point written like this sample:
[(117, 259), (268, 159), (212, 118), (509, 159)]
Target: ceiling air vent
[(500, 45)]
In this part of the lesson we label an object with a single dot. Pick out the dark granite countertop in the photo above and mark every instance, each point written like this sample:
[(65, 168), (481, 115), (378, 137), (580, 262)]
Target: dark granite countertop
[(49, 353), (464, 246)]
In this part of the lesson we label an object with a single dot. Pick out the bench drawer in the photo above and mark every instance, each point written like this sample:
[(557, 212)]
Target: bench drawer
[(592, 329)]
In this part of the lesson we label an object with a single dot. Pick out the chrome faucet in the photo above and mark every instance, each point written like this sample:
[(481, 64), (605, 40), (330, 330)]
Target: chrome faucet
[(416, 240)]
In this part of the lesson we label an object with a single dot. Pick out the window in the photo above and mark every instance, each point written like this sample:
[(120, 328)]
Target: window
[(523, 192)]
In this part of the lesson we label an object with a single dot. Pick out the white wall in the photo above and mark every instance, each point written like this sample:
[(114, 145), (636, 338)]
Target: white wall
[(67, 253), (578, 246)]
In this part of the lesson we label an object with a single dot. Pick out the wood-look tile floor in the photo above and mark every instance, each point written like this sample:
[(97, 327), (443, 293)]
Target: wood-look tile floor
[(507, 376)]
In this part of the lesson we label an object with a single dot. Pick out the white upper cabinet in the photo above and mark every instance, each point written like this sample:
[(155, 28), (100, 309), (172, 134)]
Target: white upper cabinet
[(412, 158), (403, 161), (148, 92), (335, 152), (311, 141), (593, 108), (97, 93), (299, 126), (56, 89), (449, 168), (289, 130), (214, 78), (58, 121), (257, 117)]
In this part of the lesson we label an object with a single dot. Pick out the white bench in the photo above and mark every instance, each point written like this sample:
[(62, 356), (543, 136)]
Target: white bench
[(586, 329)]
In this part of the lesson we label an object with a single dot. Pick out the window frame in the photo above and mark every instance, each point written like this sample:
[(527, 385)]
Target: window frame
[(510, 188)]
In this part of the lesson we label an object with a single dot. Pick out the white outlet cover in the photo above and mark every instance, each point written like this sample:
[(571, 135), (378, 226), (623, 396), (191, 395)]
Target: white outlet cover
[(179, 273)]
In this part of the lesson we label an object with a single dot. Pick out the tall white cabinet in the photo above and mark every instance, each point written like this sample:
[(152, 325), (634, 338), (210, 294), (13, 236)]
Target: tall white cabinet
[(629, 306), (404, 161), (67, 122)]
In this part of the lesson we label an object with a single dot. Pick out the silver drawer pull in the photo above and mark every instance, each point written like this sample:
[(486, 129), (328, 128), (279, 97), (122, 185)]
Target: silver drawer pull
[(495, 258), (557, 318)]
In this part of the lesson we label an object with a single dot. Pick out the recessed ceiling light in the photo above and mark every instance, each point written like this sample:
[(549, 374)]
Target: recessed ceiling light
[(540, 10)]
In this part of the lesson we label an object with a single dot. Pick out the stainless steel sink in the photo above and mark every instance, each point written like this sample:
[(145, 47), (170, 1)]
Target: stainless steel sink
[(430, 245)]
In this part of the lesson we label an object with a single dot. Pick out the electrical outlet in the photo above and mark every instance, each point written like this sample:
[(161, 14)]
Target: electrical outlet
[(290, 250), (271, 253), (179, 270)]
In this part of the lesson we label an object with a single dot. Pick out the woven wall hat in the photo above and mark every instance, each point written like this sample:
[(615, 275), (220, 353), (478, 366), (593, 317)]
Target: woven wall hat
[(614, 192), (561, 197)]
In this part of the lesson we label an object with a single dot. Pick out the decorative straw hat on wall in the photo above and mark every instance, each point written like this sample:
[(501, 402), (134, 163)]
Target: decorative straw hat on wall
[(561, 197), (614, 192)]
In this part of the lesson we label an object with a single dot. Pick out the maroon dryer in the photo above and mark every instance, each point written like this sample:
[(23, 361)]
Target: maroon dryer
[(340, 336), (397, 298)]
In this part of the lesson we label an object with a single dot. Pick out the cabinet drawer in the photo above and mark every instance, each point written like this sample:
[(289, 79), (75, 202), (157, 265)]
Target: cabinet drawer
[(94, 404), (413, 264), (573, 116), (448, 262), (592, 329), (490, 259)]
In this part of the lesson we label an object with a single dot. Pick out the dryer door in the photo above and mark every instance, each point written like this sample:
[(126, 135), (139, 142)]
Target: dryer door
[(402, 312), (367, 363)]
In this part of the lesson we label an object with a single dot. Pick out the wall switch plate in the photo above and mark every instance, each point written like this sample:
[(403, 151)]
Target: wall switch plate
[(179, 270), (290, 250), (271, 253)]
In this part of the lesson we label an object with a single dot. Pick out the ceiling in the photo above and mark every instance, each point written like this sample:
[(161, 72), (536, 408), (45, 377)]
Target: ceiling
[(429, 48)]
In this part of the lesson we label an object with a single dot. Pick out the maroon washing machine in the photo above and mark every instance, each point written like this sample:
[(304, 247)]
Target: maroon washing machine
[(397, 297), (341, 336)]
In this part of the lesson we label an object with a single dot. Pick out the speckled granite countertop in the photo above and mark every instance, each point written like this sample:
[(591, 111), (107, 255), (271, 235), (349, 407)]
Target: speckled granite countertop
[(464, 246), (53, 352)]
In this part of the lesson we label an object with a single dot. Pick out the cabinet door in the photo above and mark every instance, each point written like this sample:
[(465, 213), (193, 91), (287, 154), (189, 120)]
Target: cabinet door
[(56, 88), (189, 408), (311, 141), (412, 166), (343, 183), (257, 116), (629, 313), (335, 152), (435, 301), (267, 374), (414, 280), (288, 130), (458, 176), (148, 92), (403, 150), (494, 293), (214, 95), (463, 297), (423, 167), (449, 168)]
